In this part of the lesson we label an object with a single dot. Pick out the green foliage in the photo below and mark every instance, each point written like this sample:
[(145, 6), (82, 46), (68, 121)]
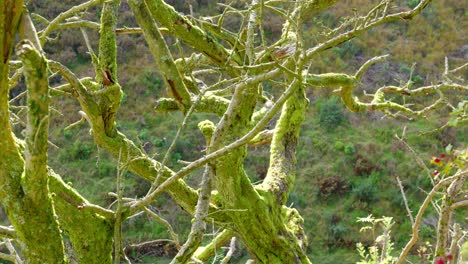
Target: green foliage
[(339, 145), (148, 80), (331, 113), (349, 149), (365, 190), (412, 3), (81, 150), (381, 251), (347, 50)]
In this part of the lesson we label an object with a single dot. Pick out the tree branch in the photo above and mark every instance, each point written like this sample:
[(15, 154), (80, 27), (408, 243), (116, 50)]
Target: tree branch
[(62, 16), (204, 253), (361, 28), (216, 154), (139, 162), (198, 226), (38, 228), (175, 85), (191, 34), (422, 209), (7, 232), (208, 104)]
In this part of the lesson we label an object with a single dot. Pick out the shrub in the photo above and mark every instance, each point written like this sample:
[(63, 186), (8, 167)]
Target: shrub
[(349, 149), (81, 151), (331, 113), (339, 145), (365, 191)]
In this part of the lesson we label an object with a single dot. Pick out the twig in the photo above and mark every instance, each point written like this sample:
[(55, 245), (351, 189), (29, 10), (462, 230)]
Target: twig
[(198, 227), (416, 156), (7, 232), (421, 211), (232, 249), (174, 141), (410, 214), (75, 9), (164, 222), (13, 251), (369, 63)]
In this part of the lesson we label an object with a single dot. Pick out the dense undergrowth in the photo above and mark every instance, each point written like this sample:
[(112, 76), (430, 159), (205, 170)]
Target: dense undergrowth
[(347, 162)]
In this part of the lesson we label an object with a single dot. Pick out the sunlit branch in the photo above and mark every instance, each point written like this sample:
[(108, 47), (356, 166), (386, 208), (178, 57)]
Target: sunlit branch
[(204, 253), (62, 16), (422, 209)]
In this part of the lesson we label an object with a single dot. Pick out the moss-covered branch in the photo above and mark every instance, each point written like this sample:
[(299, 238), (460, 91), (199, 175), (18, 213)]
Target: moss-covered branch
[(281, 172), (85, 229), (109, 93), (53, 25), (348, 83), (208, 104), (11, 166), (174, 81), (191, 34), (204, 253), (35, 222), (140, 163)]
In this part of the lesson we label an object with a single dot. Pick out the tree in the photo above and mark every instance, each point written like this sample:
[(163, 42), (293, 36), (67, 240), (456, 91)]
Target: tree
[(44, 211)]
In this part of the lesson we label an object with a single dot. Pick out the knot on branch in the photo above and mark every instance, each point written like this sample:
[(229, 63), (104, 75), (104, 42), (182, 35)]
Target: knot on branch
[(109, 99), (29, 55), (207, 128), (295, 223)]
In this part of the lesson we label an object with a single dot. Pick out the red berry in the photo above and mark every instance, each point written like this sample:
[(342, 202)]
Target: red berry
[(442, 156), (436, 160), (449, 256), (435, 173), (440, 261)]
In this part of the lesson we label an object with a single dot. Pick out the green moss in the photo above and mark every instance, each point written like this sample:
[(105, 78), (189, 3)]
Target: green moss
[(207, 128)]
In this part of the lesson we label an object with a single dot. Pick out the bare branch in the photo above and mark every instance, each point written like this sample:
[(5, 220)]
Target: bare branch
[(359, 30), (165, 223), (422, 209), (410, 214), (198, 226), (191, 34), (64, 15), (232, 248), (13, 251)]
